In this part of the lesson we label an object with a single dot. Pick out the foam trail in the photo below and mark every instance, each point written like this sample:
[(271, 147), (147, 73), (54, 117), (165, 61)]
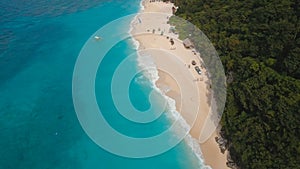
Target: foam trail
[(142, 7), (144, 62)]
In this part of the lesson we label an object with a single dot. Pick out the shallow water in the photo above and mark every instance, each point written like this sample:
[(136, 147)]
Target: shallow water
[(39, 44)]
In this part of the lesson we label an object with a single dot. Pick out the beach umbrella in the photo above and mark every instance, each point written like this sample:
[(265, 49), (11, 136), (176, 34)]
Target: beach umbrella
[(194, 62), (172, 41)]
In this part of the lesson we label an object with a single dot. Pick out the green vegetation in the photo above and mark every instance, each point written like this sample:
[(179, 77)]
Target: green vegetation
[(259, 44)]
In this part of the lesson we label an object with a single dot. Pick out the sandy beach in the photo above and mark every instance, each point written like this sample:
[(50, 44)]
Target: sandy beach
[(152, 32)]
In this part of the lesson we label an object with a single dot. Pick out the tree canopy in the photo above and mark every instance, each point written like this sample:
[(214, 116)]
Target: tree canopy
[(258, 42)]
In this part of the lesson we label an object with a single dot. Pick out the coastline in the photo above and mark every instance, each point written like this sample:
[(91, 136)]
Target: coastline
[(151, 32)]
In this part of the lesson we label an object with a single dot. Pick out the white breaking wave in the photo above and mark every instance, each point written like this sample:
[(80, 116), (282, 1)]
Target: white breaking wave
[(144, 62), (142, 6), (135, 43), (147, 65), (133, 22)]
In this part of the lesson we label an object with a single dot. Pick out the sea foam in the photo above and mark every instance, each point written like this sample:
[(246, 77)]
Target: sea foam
[(142, 5), (150, 72)]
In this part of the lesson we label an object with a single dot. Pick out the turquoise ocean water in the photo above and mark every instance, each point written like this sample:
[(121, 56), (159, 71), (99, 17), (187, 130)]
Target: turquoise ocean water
[(39, 44)]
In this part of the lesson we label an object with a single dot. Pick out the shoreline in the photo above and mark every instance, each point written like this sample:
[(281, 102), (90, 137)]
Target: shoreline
[(143, 25)]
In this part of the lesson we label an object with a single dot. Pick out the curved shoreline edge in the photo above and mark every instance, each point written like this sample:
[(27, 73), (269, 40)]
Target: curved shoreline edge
[(208, 152), (190, 141)]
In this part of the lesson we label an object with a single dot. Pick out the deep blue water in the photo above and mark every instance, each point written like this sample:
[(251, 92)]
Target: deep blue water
[(39, 44)]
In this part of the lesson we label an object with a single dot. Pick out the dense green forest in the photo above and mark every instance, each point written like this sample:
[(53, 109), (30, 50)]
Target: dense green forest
[(258, 42)]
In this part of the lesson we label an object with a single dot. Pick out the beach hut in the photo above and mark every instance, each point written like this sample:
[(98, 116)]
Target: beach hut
[(187, 43)]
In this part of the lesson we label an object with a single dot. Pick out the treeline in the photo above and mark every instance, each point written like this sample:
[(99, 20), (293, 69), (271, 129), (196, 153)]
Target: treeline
[(258, 42)]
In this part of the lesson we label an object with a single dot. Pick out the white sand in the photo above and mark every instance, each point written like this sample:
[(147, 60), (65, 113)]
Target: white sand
[(142, 32)]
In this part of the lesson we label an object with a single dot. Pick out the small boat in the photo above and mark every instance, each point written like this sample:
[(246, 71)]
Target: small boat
[(97, 37)]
